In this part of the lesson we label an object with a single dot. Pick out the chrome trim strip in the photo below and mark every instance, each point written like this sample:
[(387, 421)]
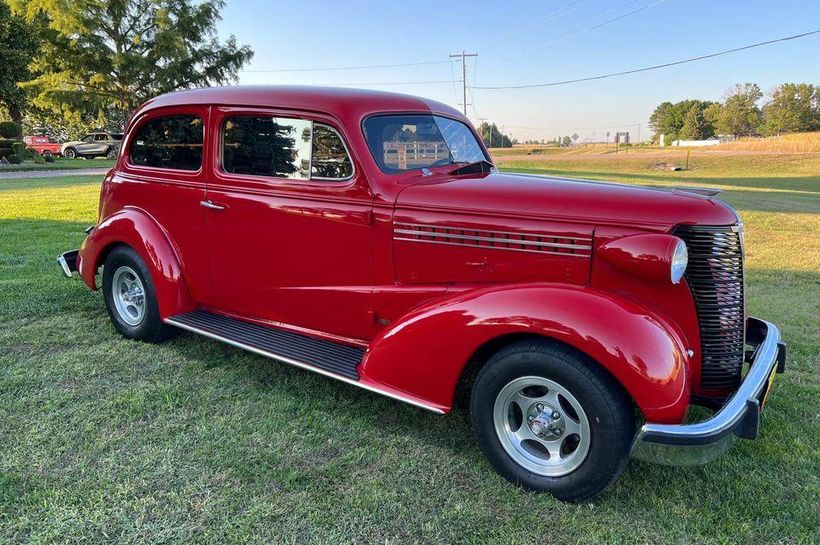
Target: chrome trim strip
[(735, 408), (492, 239), (542, 252), (301, 365), (482, 230)]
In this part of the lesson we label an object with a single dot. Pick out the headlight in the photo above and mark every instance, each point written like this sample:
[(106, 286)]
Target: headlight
[(659, 257), (680, 259)]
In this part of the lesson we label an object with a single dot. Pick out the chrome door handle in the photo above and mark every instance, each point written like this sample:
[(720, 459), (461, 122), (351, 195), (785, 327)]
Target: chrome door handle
[(212, 206)]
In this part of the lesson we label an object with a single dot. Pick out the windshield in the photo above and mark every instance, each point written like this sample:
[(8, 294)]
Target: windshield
[(412, 141)]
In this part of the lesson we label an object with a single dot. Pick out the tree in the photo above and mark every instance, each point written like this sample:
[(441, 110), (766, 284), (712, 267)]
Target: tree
[(794, 107), (492, 137), (18, 45), (669, 119), (694, 125), (740, 114), (99, 54)]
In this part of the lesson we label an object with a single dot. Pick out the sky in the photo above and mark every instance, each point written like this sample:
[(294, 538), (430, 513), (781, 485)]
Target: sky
[(521, 42)]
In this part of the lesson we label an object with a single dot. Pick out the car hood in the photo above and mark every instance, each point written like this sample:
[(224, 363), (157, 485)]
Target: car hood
[(518, 195)]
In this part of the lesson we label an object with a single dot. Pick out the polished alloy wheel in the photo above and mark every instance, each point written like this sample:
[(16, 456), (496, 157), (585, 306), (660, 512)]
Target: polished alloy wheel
[(128, 294), (542, 426)]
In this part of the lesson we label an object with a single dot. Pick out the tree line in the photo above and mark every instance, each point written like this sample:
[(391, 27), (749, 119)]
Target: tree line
[(74, 66), (492, 137), (744, 111)]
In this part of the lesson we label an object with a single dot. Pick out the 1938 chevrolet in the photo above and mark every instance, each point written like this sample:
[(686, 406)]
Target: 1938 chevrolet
[(368, 237)]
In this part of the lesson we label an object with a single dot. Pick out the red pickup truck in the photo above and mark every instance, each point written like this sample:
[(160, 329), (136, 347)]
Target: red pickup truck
[(368, 237), (43, 145)]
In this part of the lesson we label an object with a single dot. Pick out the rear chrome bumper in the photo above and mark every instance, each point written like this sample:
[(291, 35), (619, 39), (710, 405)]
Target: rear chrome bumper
[(68, 262), (702, 442)]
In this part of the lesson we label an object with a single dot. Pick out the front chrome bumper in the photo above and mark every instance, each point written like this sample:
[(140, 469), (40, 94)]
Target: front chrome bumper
[(68, 262), (702, 442)]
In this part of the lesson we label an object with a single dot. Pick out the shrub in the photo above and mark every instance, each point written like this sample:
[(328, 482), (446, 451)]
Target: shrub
[(19, 149), (14, 159), (48, 159), (6, 144), (9, 129), (37, 158)]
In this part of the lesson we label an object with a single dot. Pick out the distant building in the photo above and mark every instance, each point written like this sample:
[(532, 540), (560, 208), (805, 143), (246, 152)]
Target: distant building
[(720, 139)]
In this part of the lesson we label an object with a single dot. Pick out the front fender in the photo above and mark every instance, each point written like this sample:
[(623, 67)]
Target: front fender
[(135, 228), (424, 353)]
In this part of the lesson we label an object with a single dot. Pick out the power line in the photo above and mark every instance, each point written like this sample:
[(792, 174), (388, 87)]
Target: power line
[(574, 128), (648, 68), (553, 15), (384, 83), (594, 27), (361, 67), (600, 25)]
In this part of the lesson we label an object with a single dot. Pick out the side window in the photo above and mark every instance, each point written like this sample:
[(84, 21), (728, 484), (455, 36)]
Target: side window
[(267, 146), (87, 139), (99, 137), (173, 142), (330, 160)]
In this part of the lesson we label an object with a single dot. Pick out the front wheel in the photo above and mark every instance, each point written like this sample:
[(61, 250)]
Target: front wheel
[(70, 153), (549, 419), (131, 298)]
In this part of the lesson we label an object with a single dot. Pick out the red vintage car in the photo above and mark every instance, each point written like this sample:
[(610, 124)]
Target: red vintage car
[(43, 145), (368, 237)]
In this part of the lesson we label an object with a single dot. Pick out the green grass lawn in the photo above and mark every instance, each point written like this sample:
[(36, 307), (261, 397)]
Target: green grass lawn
[(106, 440), (60, 163)]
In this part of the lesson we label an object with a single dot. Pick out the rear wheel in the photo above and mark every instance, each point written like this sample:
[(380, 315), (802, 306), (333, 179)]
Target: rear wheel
[(549, 419), (130, 297), (70, 153), (111, 153), (47, 153)]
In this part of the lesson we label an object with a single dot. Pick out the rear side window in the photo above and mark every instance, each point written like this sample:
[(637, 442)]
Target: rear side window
[(330, 160), (281, 147), (173, 142)]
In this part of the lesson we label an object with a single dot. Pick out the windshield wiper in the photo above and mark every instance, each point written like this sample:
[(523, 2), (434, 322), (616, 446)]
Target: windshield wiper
[(477, 167)]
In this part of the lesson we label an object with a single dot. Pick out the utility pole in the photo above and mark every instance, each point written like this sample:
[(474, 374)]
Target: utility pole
[(483, 120), (463, 55)]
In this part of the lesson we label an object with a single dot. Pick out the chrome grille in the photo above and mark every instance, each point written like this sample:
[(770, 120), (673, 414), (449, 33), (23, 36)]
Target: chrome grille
[(715, 277)]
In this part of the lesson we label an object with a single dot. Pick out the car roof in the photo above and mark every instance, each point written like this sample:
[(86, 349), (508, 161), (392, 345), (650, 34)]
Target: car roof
[(336, 101)]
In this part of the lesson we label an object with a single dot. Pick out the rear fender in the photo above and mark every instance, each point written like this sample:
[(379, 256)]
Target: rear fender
[(424, 353), (135, 228)]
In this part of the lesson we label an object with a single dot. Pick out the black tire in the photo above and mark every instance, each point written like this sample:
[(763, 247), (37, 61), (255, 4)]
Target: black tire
[(70, 153), (151, 327), (111, 153), (47, 153), (608, 409)]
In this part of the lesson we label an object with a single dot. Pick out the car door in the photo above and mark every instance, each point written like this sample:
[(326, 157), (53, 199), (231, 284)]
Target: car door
[(100, 144), (288, 223), (86, 145), (163, 172)]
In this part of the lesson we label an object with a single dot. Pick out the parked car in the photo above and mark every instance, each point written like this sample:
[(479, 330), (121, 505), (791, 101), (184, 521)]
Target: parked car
[(368, 237), (95, 144), (45, 146)]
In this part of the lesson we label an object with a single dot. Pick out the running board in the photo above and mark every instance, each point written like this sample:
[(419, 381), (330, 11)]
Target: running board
[(323, 356)]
